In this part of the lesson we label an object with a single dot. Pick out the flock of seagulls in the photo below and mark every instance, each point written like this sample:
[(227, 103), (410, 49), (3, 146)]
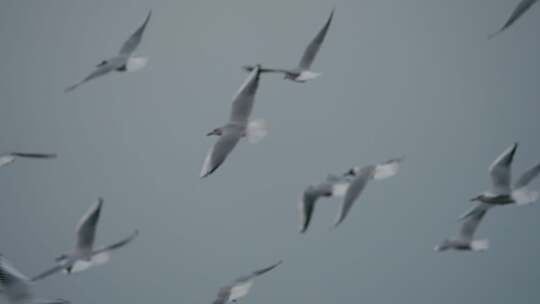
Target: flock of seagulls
[(16, 287)]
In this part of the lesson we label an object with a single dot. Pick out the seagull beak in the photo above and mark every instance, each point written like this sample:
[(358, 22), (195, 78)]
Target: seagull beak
[(474, 199), (349, 173)]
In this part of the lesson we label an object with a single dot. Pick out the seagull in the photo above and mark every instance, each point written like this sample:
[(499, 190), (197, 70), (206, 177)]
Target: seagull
[(361, 176), (15, 286), (502, 192), (334, 186), (520, 9), (85, 256), (123, 62), (465, 240), (6, 159), (303, 71), (240, 287), (238, 126)]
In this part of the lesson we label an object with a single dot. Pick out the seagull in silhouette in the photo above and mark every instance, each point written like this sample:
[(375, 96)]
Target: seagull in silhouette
[(16, 287), (465, 241), (85, 255), (238, 126), (502, 191), (360, 178), (333, 186), (241, 286), (123, 62), (303, 71), (8, 158), (521, 8)]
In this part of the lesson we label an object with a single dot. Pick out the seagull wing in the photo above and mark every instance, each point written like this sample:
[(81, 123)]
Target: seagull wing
[(219, 152), (245, 97), (135, 39), (100, 71), (86, 229), (353, 191), (13, 283), (527, 177), (520, 9), (470, 225), (34, 155), (119, 244), (51, 271), (313, 48), (500, 171)]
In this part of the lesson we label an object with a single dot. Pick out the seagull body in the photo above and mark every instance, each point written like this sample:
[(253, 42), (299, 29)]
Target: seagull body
[(85, 255), (241, 286), (520, 9), (465, 241), (122, 62), (238, 126), (502, 192), (360, 178), (334, 186), (303, 72), (9, 158), (16, 288)]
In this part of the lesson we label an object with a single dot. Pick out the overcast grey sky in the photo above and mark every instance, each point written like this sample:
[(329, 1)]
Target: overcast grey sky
[(401, 77)]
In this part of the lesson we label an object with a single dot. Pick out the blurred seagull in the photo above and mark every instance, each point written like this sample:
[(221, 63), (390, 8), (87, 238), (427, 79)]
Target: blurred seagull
[(238, 126), (303, 72), (361, 176), (15, 286), (85, 256), (465, 240), (334, 186), (502, 192), (6, 159), (240, 287), (520, 9), (122, 62)]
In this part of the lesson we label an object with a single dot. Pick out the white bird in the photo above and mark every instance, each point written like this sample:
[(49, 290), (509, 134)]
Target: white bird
[(6, 159), (238, 126), (16, 287), (502, 192), (303, 71), (85, 256), (465, 241), (241, 286), (334, 186), (124, 61), (361, 176), (521, 8)]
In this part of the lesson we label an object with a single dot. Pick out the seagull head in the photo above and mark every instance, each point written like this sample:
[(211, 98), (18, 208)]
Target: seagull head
[(102, 63), (217, 132), (477, 198)]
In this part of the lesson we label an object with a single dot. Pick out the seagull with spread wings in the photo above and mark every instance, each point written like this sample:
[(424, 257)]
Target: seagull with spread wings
[(241, 286), (16, 287), (239, 125), (124, 61), (465, 241), (85, 255), (8, 158), (303, 71)]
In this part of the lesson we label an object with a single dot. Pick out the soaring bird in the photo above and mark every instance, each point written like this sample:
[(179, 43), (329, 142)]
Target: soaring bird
[(240, 287), (123, 61), (16, 288), (521, 8), (8, 158), (465, 241), (360, 178), (502, 191), (303, 71), (333, 186), (238, 126), (85, 255)]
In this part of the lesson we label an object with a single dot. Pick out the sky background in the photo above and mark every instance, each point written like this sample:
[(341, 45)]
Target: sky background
[(416, 78)]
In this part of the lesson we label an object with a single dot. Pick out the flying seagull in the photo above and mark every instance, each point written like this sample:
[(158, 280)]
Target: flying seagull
[(465, 241), (520, 9), (502, 192), (238, 126), (303, 71), (85, 256), (6, 159), (16, 288), (124, 61), (361, 176), (334, 186), (240, 287)]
